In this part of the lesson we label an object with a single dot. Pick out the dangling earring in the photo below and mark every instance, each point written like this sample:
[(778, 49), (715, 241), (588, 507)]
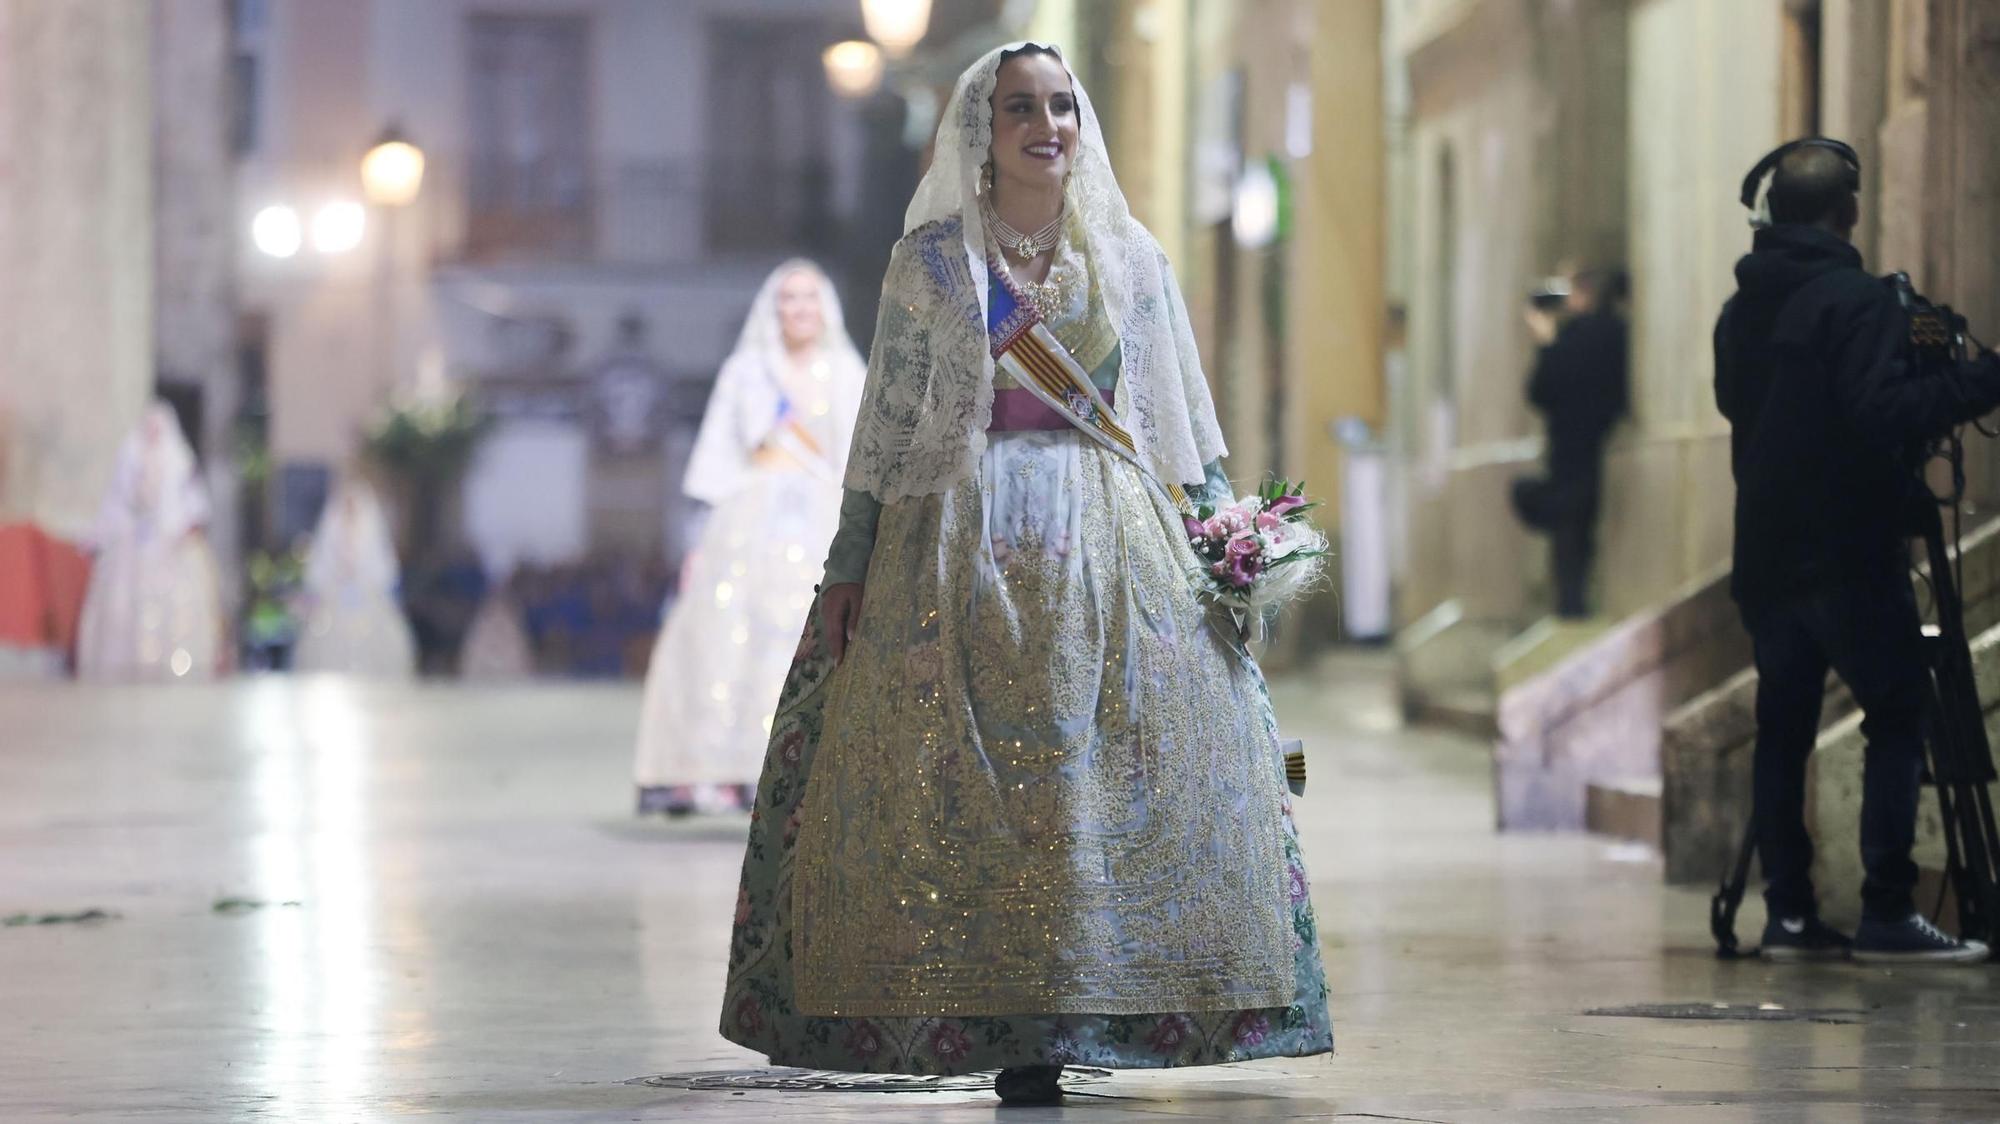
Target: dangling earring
[(985, 178)]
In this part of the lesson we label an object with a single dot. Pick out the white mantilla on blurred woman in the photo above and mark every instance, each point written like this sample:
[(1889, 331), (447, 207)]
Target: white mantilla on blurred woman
[(154, 608), (1024, 803), (768, 463), (354, 624)]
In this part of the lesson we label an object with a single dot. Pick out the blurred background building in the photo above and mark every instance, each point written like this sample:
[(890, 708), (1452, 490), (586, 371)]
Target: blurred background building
[(1356, 196)]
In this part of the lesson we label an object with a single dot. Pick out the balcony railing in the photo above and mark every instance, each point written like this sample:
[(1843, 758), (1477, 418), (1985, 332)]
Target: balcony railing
[(643, 212)]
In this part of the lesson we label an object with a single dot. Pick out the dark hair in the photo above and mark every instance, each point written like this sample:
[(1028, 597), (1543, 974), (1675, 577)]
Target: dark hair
[(1811, 186), (1607, 283), (1027, 49)]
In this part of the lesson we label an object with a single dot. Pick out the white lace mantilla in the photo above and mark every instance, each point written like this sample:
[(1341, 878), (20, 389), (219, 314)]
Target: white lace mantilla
[(929, 395)]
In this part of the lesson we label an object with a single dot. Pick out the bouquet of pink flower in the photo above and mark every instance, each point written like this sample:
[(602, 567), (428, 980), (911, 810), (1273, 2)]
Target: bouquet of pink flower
[(1257, 552)]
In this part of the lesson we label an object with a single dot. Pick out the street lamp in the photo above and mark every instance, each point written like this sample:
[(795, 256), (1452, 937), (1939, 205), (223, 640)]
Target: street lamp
[(393, 171), (853, 68), (897, 25), (276, 231)]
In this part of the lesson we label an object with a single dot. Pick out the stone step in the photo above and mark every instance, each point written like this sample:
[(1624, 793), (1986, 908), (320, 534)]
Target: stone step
[(1627, 808)]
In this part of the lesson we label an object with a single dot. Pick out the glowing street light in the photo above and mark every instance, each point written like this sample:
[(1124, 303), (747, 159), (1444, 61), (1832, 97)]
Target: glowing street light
[(393, 171), (338, 226), (853, 68), (898, 25), (276, 231)]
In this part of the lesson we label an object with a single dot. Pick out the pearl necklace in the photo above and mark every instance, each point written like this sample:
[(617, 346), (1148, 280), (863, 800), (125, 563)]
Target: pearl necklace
[(1024, 246)]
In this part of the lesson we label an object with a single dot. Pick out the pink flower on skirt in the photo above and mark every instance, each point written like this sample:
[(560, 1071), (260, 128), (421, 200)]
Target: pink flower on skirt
[(1296, 887), (792, 823), (743, 905), (1251, 1028), (949, 1043), (1169, 1034), (791, 747), (864, 1041)]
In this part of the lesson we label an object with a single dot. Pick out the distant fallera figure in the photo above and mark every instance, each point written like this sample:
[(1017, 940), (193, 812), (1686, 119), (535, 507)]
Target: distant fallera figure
[(154, 608), (1579, 386), (353, 621), (767, 462)]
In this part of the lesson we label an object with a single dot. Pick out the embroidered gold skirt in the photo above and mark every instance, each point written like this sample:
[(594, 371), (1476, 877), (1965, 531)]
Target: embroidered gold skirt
[(1044, 783)]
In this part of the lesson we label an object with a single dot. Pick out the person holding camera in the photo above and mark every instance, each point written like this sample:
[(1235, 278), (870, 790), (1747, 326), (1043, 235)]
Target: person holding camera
[(1579, 387), (1828, 418)]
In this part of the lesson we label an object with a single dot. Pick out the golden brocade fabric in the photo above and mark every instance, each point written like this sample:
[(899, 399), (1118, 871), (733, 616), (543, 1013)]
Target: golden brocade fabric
[(1045, 784)]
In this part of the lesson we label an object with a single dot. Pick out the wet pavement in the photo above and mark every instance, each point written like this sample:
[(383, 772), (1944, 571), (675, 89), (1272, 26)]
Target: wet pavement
[(336, 902)]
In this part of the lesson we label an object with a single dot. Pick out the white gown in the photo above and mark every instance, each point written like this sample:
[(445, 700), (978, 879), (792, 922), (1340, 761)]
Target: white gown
[(153, 610), (353, 623), (768, 462)]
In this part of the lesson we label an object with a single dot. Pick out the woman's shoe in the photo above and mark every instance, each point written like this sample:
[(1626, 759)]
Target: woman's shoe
[(1029, 1084)]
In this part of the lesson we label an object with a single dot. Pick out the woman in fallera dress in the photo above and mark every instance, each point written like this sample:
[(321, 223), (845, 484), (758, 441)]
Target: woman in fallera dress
[(1024, 803), (767, 462), (153, 610), (353, 622)]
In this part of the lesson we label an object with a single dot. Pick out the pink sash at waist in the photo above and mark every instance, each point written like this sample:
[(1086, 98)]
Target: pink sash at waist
[(1016, 410)]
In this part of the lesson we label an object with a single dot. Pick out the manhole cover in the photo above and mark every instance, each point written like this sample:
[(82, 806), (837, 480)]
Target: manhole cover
[(1731, 1012), (834, 1081)]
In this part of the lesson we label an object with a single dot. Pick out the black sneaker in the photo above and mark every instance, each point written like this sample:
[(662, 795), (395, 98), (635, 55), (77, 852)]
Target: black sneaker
[(1912, 940), (1791, 939)]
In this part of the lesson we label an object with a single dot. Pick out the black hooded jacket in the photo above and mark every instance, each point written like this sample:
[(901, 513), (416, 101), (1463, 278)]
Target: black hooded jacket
[(1826, 415), (1579, 385)]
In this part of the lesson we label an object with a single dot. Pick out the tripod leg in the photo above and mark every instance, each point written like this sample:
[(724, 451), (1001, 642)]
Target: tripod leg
[(1729, 897)]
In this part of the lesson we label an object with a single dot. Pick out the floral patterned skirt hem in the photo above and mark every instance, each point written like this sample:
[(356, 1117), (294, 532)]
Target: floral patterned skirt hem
[(759, 1009)]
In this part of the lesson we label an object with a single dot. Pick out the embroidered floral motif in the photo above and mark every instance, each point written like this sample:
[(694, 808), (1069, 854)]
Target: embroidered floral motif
[(863, 1041), (1251, 1028), (1169, 1034), (949, 1043)]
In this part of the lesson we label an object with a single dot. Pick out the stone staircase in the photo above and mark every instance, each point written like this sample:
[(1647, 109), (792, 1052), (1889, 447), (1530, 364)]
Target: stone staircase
[(1706, 743), (1581, 708)]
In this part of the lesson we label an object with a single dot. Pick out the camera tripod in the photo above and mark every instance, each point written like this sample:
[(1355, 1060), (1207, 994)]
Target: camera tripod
[(1959, 762)]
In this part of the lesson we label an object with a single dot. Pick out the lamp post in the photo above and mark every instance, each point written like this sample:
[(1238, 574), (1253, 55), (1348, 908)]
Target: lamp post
[(392, 173), (853, 68), (898, 25)]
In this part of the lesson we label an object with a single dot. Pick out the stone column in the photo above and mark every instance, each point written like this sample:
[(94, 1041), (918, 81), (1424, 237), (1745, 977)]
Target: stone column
[(76, 278)]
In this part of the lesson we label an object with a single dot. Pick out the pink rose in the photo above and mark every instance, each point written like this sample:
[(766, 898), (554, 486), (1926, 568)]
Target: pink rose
[(1267, 521), (1242, 546)]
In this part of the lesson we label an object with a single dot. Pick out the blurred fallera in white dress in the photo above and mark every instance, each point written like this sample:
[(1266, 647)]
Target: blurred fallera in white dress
[(768, 462), (354, 625), (153, 611)]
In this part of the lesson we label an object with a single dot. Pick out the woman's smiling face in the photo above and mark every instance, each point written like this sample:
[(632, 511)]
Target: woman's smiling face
[(1034, 123)]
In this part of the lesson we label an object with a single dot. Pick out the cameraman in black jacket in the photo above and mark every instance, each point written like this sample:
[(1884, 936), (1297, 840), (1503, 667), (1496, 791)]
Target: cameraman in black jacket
[(1825, 417)]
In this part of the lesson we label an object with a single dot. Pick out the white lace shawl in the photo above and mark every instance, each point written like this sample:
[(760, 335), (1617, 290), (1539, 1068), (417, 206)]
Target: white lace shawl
[(929, 395)]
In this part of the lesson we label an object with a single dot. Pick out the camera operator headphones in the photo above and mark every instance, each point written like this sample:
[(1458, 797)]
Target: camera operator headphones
[(1760, 209)]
